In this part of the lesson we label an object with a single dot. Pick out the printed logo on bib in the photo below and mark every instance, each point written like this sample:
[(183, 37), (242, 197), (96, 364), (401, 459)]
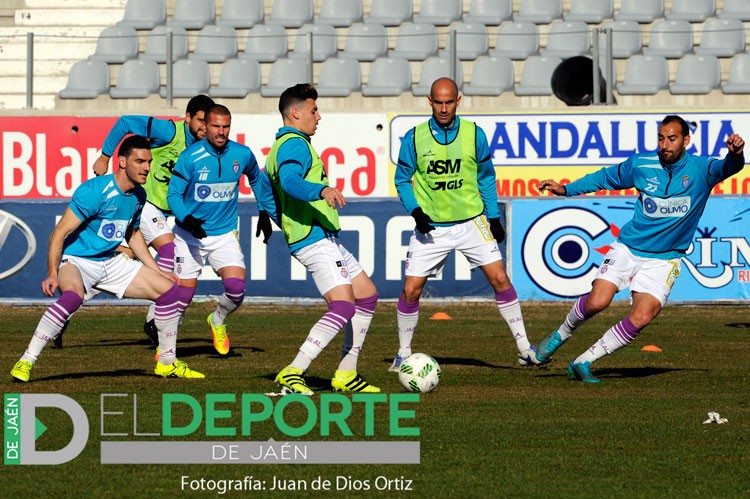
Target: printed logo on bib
[(215, 193), (663, 208), (113, 230)]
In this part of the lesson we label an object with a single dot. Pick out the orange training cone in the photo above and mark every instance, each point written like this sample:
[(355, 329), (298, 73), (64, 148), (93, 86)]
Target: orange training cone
[(651, 348), (441, 316)]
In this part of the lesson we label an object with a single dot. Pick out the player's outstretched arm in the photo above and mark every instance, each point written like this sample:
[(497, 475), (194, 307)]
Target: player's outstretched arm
[(553, 187), (101, 165)]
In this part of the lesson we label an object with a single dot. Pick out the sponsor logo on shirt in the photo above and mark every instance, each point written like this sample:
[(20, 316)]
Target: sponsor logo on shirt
[(113, 230), (215, 193), (676, 207)]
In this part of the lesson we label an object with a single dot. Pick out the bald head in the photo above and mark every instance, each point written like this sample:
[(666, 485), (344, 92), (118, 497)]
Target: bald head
[(444, 101)]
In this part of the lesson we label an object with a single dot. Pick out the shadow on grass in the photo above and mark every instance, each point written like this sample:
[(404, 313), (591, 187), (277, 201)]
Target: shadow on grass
[(461, 361), (739, 325), (118, 373), (184, 350), (621, 372)]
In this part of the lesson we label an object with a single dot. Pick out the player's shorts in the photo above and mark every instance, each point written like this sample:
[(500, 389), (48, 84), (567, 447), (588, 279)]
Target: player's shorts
[(113, 275), (428, 253), (329, 263), (153, 223), (644, 275), (190, 253)]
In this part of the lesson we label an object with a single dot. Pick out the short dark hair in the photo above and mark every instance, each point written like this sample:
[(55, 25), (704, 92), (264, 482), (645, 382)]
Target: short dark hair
[(199, 103), (295, 95), (133, 142), (218, 110), (673, 118)]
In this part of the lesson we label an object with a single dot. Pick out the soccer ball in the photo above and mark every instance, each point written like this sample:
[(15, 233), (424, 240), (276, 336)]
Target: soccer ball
[(419, 373)]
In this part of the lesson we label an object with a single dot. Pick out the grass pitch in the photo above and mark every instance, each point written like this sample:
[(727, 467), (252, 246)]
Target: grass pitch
[(492, 429)]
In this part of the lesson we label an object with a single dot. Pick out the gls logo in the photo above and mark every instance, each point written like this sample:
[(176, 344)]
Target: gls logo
[(8, 223), (21, 429)]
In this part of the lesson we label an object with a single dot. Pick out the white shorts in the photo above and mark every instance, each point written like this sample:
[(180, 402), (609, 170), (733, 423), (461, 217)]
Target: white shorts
[(154, 223), (329, 263), (644, 275), (428, 252), (113, 275), (191, 253)]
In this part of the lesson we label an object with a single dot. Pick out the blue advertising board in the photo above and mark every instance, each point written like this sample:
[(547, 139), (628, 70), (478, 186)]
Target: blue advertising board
[(558, 245), (376, 231)]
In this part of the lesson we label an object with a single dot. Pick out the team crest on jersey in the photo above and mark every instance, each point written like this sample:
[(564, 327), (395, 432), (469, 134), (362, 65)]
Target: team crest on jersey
[(236, 166), (342, 268), (685, 181)]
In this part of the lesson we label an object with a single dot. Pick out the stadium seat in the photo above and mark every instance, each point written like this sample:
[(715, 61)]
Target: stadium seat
[(432, 69), (489, 12), (626, 39), (644, 75), (86, 80), (215, 44), (439, 12), (189, 78), (241, 14), (536, 75), (416, 41), (738, 81), (390, 12), (736, 9), (156, 44), (291, 13), (193, 14), (567, 39), (694, 11), (137, 80), (516, 40), (265, 43), (285, 73), (722, 38), (539, 11), (365, 42), (116, 45), (471, 41), (238, 78), (670, 39), (590, 11), (324, 44), (491, 76), (389, 76), (339, 78), (640, 11), (144, 14), (340, 13), (696, 75)]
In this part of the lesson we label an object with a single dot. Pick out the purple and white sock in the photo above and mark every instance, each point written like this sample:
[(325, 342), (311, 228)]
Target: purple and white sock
[(51, 323)]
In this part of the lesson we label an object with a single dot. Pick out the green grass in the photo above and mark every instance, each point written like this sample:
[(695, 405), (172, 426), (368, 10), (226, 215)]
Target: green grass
[(491, 429)]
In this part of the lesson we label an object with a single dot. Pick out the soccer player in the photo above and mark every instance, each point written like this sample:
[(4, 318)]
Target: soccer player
[(673, 190), (203, 195), (168, 139), (81, 257), (449, 161), (306, 209)]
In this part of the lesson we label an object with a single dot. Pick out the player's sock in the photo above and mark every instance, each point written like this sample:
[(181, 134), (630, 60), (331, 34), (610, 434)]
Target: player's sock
[(339, 313), (510, 310), (407, 317), (230, 299), (51, 323), (355, 332), (615, 338), (166, 257), (185, 297), (577, 316), (167, 316)]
